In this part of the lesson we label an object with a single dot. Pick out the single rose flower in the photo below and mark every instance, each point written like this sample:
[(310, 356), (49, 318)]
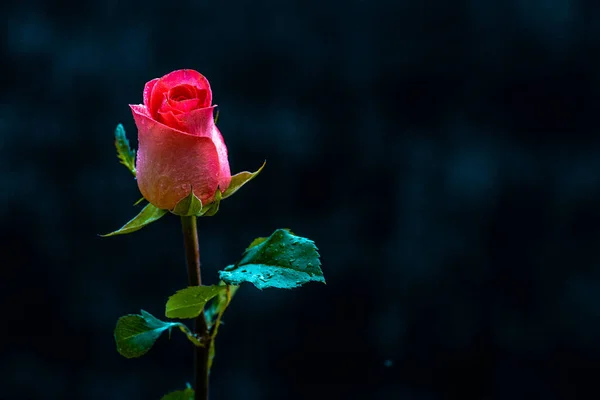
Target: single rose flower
[(180, 147)]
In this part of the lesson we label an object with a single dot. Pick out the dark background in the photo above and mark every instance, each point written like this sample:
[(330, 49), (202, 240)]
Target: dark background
[(443, 155)]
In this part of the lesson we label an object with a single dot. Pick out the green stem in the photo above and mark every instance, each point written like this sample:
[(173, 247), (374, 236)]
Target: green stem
[(192, 254)]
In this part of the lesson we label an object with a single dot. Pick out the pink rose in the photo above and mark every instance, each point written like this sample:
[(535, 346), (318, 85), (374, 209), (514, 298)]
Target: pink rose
[(180, 147)]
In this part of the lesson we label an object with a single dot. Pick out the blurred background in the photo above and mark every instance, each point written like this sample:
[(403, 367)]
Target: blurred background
[(443, 155)]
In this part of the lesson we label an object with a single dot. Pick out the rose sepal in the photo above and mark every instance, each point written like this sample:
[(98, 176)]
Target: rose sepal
[(240, 179), (149, 214), (188, 206), (191, 205), (214, 206)]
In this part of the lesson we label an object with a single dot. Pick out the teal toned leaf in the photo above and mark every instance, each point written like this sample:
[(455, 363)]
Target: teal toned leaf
[(191, 205), (136, 334), (239, 180), (124, 152), (189, 302), (259, 240), (283, 261), (148, 215), (187, 394)]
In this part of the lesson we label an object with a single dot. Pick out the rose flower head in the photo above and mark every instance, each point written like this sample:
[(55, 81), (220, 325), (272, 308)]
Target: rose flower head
[(180, 147)]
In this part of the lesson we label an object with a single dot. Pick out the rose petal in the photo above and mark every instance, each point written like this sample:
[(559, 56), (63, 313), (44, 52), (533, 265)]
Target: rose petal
[(176, 78), (169, 119), (182, 92), (148, 91), (225, 172), (201, 122), (140, 109), (184, 105), (169, 162)]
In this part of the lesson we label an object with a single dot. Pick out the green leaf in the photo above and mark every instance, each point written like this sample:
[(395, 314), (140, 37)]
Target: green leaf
[(191, 205), (239, 180), (148, 215), (283, 261), (135, 334), (186, 394), (124, 152), (189, 302)]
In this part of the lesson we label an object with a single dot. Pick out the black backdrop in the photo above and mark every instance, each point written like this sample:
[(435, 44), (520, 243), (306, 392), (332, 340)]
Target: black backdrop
[(444, 157)]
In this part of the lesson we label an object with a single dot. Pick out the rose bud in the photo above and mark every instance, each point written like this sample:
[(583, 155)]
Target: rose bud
[(180, 147)]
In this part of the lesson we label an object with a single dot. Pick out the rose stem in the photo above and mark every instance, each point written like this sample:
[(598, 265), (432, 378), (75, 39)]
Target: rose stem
[(192, 255)]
